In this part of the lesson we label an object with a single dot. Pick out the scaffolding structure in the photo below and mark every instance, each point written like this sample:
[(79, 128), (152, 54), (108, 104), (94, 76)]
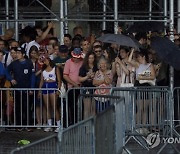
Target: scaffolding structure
[(107, 12)]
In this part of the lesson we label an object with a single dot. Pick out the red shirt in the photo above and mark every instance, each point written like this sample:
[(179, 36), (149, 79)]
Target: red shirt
[(71, 69)]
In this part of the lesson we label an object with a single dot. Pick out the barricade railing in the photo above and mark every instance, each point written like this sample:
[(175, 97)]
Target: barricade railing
[(95, 135), (75, 108), (78, 138), (21, 107), (109, 126), (147, 110), (176, 96), (99, 134), (48, 145)]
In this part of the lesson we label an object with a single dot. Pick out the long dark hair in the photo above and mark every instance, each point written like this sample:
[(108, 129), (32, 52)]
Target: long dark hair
[(111, 54), (143, 53), (85, 61), (126, 49), (33, 48), (51, 63)]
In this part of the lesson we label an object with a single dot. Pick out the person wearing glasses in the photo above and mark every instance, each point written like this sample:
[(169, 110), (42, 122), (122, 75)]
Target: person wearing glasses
[(98, 52)]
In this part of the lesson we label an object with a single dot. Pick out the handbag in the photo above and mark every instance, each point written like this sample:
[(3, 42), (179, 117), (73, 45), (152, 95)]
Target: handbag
[(147, 73), (127, 85), (123, 84), (150, 82), (62, 91)]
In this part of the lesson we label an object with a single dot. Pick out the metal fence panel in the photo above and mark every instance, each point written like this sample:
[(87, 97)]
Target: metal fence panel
[(78, 139), (76, 106), (176, 96), (120, 124), (105, 135), (18, 108), (48, 145), (147, 110), (108, 133), (99, 134)]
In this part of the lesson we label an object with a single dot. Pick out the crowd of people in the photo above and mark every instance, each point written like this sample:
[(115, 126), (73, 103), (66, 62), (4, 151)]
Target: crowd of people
[(37, 60)]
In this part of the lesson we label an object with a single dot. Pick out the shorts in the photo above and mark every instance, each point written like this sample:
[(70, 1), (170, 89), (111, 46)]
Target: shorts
[(49, 85)]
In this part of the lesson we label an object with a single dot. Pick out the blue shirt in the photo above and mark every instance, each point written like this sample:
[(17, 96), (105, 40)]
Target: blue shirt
[(21, 72), (2, 69)]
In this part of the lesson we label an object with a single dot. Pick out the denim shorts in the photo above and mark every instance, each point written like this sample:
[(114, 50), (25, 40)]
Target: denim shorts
[(49, 85)]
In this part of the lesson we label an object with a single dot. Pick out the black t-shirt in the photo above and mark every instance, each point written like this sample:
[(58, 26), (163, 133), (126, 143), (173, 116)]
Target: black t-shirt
[(83, 72)]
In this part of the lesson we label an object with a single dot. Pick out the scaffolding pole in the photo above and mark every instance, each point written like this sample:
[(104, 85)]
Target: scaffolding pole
[(178, 20), (61, 35), (113, 20), (171, 28), (165, 12), (150, 9), (16, 20), (115, 16), (66, 28), (7, 14), (104, 14)]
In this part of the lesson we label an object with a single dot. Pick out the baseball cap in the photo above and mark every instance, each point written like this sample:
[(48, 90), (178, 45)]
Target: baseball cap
[(77, 53)]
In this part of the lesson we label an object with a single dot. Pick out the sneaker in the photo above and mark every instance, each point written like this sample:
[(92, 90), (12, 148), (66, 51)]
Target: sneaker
[(28, 129), (38, 126), (48, 129), (57, 130), (19, 129)]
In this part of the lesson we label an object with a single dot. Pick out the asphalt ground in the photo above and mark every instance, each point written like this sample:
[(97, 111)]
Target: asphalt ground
[(9, 139)]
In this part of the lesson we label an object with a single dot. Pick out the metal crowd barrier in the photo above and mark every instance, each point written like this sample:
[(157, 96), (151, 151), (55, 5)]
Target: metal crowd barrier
[(79, 138), (20, 108), (176, 96), (148, 110), (95, 135), (75, 108), (99, 134), (48, 145)]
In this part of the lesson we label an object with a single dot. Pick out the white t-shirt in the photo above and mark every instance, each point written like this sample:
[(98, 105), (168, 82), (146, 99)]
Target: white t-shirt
[(27, 46), (9, 59)]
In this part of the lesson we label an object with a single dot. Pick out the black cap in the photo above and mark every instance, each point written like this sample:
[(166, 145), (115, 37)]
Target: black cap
[(63, 49)]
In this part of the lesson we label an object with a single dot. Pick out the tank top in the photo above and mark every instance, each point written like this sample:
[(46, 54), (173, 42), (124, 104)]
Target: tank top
[(49, 75), (142, 68)]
